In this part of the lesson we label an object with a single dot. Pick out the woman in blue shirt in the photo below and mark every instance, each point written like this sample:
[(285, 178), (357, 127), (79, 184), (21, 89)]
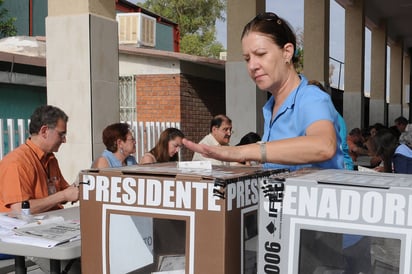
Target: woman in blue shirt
[(301, 126), (120, 145), (402, 158)]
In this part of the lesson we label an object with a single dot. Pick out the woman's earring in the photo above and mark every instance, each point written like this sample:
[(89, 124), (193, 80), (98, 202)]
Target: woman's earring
[(121, 150)]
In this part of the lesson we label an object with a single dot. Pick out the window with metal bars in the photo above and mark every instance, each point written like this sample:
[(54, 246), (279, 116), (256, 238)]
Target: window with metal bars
[(127, 98)]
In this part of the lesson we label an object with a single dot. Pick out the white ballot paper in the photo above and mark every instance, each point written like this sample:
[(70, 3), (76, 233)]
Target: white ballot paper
[(46, 235), (9, 223)]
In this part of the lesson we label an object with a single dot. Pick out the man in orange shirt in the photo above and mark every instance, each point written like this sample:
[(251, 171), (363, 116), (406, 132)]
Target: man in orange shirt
[(31, 171)]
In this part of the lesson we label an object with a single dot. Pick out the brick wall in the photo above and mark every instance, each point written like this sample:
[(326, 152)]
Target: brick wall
[(192, 101), (201, 99), (158, 98)]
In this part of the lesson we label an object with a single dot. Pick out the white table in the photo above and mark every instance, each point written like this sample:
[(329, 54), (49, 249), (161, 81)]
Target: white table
[(65, 251)]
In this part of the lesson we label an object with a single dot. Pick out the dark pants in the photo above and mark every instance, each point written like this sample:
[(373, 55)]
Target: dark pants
[(358, 257)]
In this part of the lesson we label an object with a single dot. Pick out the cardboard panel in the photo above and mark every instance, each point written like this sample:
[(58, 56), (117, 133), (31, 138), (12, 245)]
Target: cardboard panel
[(157, 218), (335, 221)]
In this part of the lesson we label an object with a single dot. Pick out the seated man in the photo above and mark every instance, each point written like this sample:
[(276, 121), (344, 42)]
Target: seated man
[(31, 171), (401, 124), (220, 133)]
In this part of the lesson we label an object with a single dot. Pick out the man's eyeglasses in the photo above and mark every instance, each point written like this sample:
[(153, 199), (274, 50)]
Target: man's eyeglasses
[(227, 130), (62, 134)]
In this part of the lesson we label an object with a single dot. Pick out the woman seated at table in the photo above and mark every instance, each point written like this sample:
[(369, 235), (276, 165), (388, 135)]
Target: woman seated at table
[(166, 149), (120, 145), (402, 159), (385, 144)]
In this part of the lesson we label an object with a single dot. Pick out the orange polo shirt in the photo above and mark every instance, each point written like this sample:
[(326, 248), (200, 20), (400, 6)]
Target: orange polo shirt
[(24, 173)]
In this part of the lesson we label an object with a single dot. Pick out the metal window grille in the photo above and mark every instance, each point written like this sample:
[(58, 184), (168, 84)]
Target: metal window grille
[(14, 132), (127, 98)]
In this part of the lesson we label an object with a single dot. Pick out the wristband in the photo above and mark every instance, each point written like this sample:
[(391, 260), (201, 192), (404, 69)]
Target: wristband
[(263, 152)]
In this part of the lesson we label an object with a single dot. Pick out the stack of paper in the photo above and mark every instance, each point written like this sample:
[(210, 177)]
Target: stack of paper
[(45, 235), (7, 222)]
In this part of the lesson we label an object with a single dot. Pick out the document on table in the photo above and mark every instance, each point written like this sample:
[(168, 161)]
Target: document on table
[(9, 223), (46, 235), (366, 169)]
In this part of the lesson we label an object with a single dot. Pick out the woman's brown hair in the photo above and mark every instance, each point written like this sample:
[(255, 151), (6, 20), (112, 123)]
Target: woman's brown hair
[(161, 150)]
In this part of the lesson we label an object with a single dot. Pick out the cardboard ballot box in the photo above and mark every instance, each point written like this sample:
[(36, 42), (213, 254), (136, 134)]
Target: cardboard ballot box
[(158, 218), (335, 222)]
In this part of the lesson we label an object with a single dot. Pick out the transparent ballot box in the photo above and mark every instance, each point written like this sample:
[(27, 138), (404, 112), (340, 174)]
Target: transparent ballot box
[(325, 252), (164, 219), (152, 245), (335, 222)]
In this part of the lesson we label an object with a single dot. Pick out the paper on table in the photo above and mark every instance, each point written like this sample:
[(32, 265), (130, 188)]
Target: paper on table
[(195, 165), (26, 240), (50, 220), (11, 222), (365, 169), (46, 235)]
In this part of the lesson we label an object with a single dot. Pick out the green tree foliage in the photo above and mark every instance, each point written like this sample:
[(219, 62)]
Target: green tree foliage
[(299, 50), (196, 20), (7, 27)]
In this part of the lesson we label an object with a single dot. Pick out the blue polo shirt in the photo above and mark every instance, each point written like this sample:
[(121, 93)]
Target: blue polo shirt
[(304, 106)]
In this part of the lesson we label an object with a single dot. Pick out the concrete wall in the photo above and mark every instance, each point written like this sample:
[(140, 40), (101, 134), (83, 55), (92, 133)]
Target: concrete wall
[(82, 77)]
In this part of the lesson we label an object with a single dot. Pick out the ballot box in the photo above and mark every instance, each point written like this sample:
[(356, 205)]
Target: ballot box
[(162, 218), (335, 222)]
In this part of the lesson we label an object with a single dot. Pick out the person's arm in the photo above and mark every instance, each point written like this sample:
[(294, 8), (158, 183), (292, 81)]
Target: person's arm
[(148, 158), (318, 145), (100, 162), (69, 194), (375, 161)]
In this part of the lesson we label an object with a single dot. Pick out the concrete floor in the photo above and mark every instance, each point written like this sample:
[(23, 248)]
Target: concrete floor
[(31, 270), (7, 267)]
